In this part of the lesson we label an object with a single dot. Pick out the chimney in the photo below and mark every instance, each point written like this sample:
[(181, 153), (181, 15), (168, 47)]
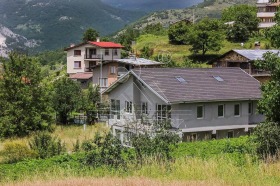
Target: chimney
[(72, 45), (257, 45), (98, 39)]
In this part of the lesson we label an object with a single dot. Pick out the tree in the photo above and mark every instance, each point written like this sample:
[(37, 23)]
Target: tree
[(245, 22), (90, 35), (273, 34), (206, 35), (268, 133), (238, 33), (66, 98), (178, 33), (126, 38), (91, 98), (24, 100), (146, 52), (154, 29)]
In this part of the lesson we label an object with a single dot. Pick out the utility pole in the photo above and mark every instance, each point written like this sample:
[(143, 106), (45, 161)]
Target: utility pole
[(100, 78)]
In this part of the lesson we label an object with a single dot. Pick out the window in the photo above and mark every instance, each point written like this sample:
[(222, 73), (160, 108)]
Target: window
[(163, 112), (221, 111), (103, 82), (128, 106), (77, 52), (180, 79), (237, 110), (77, 64), (106, 52), (250, 108), (230, 134), (115, 52), (115, 108), (112, 70), (218, 78), (144, 108), (199, 112)]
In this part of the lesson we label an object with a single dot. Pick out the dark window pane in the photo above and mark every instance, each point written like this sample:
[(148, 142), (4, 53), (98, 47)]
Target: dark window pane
[(220, 110), (199, 112), (236, 110)]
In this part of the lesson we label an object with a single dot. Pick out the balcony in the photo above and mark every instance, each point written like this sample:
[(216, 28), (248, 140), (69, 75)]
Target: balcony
[(256, 72), (92, 56)]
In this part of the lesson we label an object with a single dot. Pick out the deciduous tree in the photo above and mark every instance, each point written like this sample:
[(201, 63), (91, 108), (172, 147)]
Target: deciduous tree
[(66, 98), (206, 35), (24, 100), (90, 35)]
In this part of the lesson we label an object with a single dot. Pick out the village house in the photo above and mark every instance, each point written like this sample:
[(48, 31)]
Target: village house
[(198, 103), (245, 60), (266, 12), (100, 63)]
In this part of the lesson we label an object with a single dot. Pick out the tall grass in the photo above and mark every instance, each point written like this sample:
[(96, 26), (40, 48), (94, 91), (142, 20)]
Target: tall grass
[(220, 170)]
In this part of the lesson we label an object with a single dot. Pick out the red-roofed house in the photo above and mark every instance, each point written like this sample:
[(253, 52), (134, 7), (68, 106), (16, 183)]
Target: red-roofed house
[(84, 63), (82, 58)]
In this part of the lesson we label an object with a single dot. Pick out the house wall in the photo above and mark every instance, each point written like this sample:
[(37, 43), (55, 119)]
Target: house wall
[(232, 56), (71, 58), (105, 74), (133, 90), (185, 115)]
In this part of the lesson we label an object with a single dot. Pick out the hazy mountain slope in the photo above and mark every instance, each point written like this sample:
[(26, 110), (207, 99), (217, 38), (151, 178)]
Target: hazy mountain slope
[(151, 5), (9, 40), (57, 23), (210, 8)]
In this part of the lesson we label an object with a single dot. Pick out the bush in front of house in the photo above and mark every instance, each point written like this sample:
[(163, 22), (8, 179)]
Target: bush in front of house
[(46, 146)]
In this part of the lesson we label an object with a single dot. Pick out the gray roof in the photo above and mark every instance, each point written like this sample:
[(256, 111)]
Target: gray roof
[(255, 54), (138, 61), (200, 85)]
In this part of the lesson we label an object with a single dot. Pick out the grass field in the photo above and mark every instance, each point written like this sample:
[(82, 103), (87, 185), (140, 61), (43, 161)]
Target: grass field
[(217, 162), (161, 45)]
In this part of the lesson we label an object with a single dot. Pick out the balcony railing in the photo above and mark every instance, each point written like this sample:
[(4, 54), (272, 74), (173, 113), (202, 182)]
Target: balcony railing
[(93, 56), (257, 72)]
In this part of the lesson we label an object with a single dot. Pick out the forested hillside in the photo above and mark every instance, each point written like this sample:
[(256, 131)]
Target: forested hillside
[(57, 23), (208, 8)]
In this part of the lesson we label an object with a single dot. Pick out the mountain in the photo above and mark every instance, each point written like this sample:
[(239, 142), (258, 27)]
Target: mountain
[(208, 8), (56, 23), (151, 5), (9, 40)]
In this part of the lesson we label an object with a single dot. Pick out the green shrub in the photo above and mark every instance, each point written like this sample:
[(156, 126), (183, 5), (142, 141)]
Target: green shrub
[(46, 146), (267, 139), (16, 151)]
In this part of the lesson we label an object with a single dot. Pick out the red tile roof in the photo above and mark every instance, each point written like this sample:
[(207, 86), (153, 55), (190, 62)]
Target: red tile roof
[(81, 76), (106, 44)]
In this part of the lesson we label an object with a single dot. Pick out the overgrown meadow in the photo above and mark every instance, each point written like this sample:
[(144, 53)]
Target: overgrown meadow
[(97, 155)]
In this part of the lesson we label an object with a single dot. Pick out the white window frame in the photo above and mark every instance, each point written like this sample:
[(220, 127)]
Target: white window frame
[(163, 114), (202, 111), (144, 108), (128, 106), (223, 111), (112, 69), (115, 52), (103, 82)]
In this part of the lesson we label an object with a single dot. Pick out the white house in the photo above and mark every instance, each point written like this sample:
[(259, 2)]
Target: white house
[(199, 103)]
